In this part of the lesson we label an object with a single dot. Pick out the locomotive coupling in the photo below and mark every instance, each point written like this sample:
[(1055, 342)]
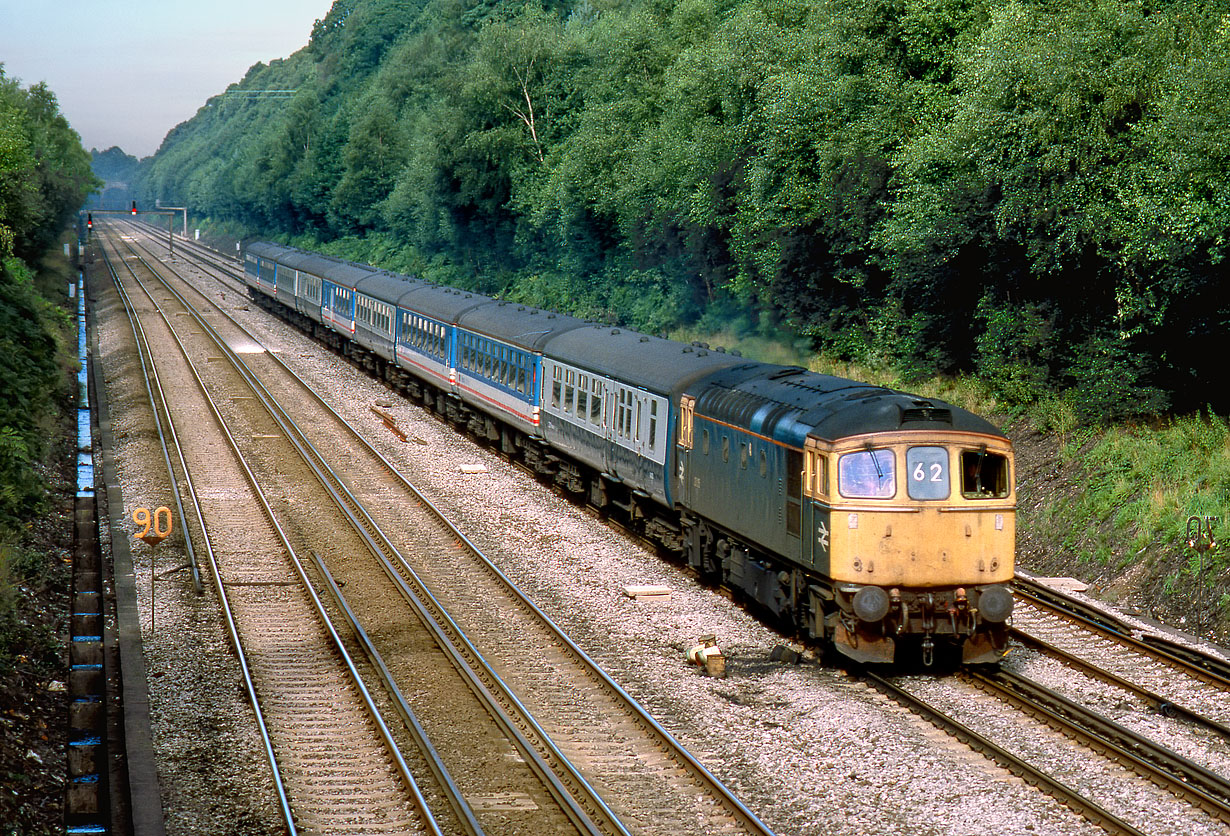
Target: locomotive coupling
[(871, 619)]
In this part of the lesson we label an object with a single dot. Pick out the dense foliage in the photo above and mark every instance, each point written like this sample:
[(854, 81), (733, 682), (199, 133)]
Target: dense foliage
[(1034, 190), (44, 177), (119, 172)]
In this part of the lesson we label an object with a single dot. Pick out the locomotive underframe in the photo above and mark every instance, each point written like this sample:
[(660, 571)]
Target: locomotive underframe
[(804, 602), (824, 610)]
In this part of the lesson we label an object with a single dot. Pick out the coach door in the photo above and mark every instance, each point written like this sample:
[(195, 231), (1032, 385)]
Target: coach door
[(683, 472)]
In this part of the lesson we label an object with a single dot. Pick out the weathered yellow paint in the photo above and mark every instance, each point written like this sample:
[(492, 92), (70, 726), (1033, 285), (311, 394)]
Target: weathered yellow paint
[(927, 548), (956, 541)]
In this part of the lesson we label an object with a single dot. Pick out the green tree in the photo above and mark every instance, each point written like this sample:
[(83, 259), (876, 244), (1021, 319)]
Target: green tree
[(375, 153)]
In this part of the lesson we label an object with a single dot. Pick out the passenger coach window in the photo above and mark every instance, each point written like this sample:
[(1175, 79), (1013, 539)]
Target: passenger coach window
[(595, 404), (984, 475), (867, 474)]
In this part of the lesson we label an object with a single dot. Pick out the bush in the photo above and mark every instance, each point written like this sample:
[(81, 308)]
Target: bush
[(1014, 351), (1110, 382), (29, 377)]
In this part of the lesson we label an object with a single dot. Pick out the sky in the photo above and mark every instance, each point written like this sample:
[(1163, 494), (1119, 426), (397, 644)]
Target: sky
[(126, 72)]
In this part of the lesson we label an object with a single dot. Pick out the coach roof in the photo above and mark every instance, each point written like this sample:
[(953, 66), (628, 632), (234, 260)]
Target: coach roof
[(662, 366), (519, 325)]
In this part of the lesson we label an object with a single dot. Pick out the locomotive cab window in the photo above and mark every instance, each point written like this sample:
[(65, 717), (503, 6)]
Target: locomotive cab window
[(816, 478), (867, 474), (984, 475)]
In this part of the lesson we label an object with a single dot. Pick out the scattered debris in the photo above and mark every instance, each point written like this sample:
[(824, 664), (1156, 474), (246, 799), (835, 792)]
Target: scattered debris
[(1064, 584), (389, 421), (648, 593), (782, 653), (708, 655), (472, 468)]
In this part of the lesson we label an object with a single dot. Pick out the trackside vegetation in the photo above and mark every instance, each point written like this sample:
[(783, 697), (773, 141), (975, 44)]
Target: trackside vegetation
[(1129, 519), (44, 177), (1034, 191), (1021, 206)]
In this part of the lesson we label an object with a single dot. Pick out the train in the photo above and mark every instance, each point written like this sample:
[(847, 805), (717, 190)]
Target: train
[(865, 519)]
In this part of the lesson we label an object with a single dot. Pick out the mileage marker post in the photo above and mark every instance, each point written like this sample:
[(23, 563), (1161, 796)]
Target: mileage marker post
[(155, 528)]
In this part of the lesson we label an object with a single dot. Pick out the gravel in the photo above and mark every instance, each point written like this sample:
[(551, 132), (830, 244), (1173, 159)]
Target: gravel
[(808, 749)]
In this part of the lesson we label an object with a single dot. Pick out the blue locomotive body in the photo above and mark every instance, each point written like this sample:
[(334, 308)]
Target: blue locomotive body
[(862, 516)]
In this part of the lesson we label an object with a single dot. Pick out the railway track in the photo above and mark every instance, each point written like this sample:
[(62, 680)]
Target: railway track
[(569, 710), (1162, 702), (271, 615), (1097, 699), (1183, 659), (494, 767)]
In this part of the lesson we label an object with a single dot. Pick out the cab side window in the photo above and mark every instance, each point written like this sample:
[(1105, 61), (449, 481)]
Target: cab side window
[(984, 475)]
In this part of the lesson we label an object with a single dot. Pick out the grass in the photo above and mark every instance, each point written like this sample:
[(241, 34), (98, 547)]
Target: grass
[(1147, 482)]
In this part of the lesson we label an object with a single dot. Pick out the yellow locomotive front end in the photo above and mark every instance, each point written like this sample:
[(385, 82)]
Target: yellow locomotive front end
[(916, 532)]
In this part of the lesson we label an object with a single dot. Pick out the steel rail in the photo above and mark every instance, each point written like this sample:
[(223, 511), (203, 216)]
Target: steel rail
[(1204, 666), (380, 546), (458, 647), (1080, 804), (736, 808), (232, 629), (1179, 775), (153, 383), (1163, 705), (460, 807), (295, 561)]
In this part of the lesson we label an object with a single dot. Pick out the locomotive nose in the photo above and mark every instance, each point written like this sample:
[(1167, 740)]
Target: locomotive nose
[(995, 604)]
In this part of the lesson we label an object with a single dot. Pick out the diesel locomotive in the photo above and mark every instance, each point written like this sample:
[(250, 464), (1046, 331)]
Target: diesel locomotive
[(876, 522)]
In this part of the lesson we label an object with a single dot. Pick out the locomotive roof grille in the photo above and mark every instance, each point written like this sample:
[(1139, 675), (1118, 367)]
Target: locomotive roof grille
[(926, 414)]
